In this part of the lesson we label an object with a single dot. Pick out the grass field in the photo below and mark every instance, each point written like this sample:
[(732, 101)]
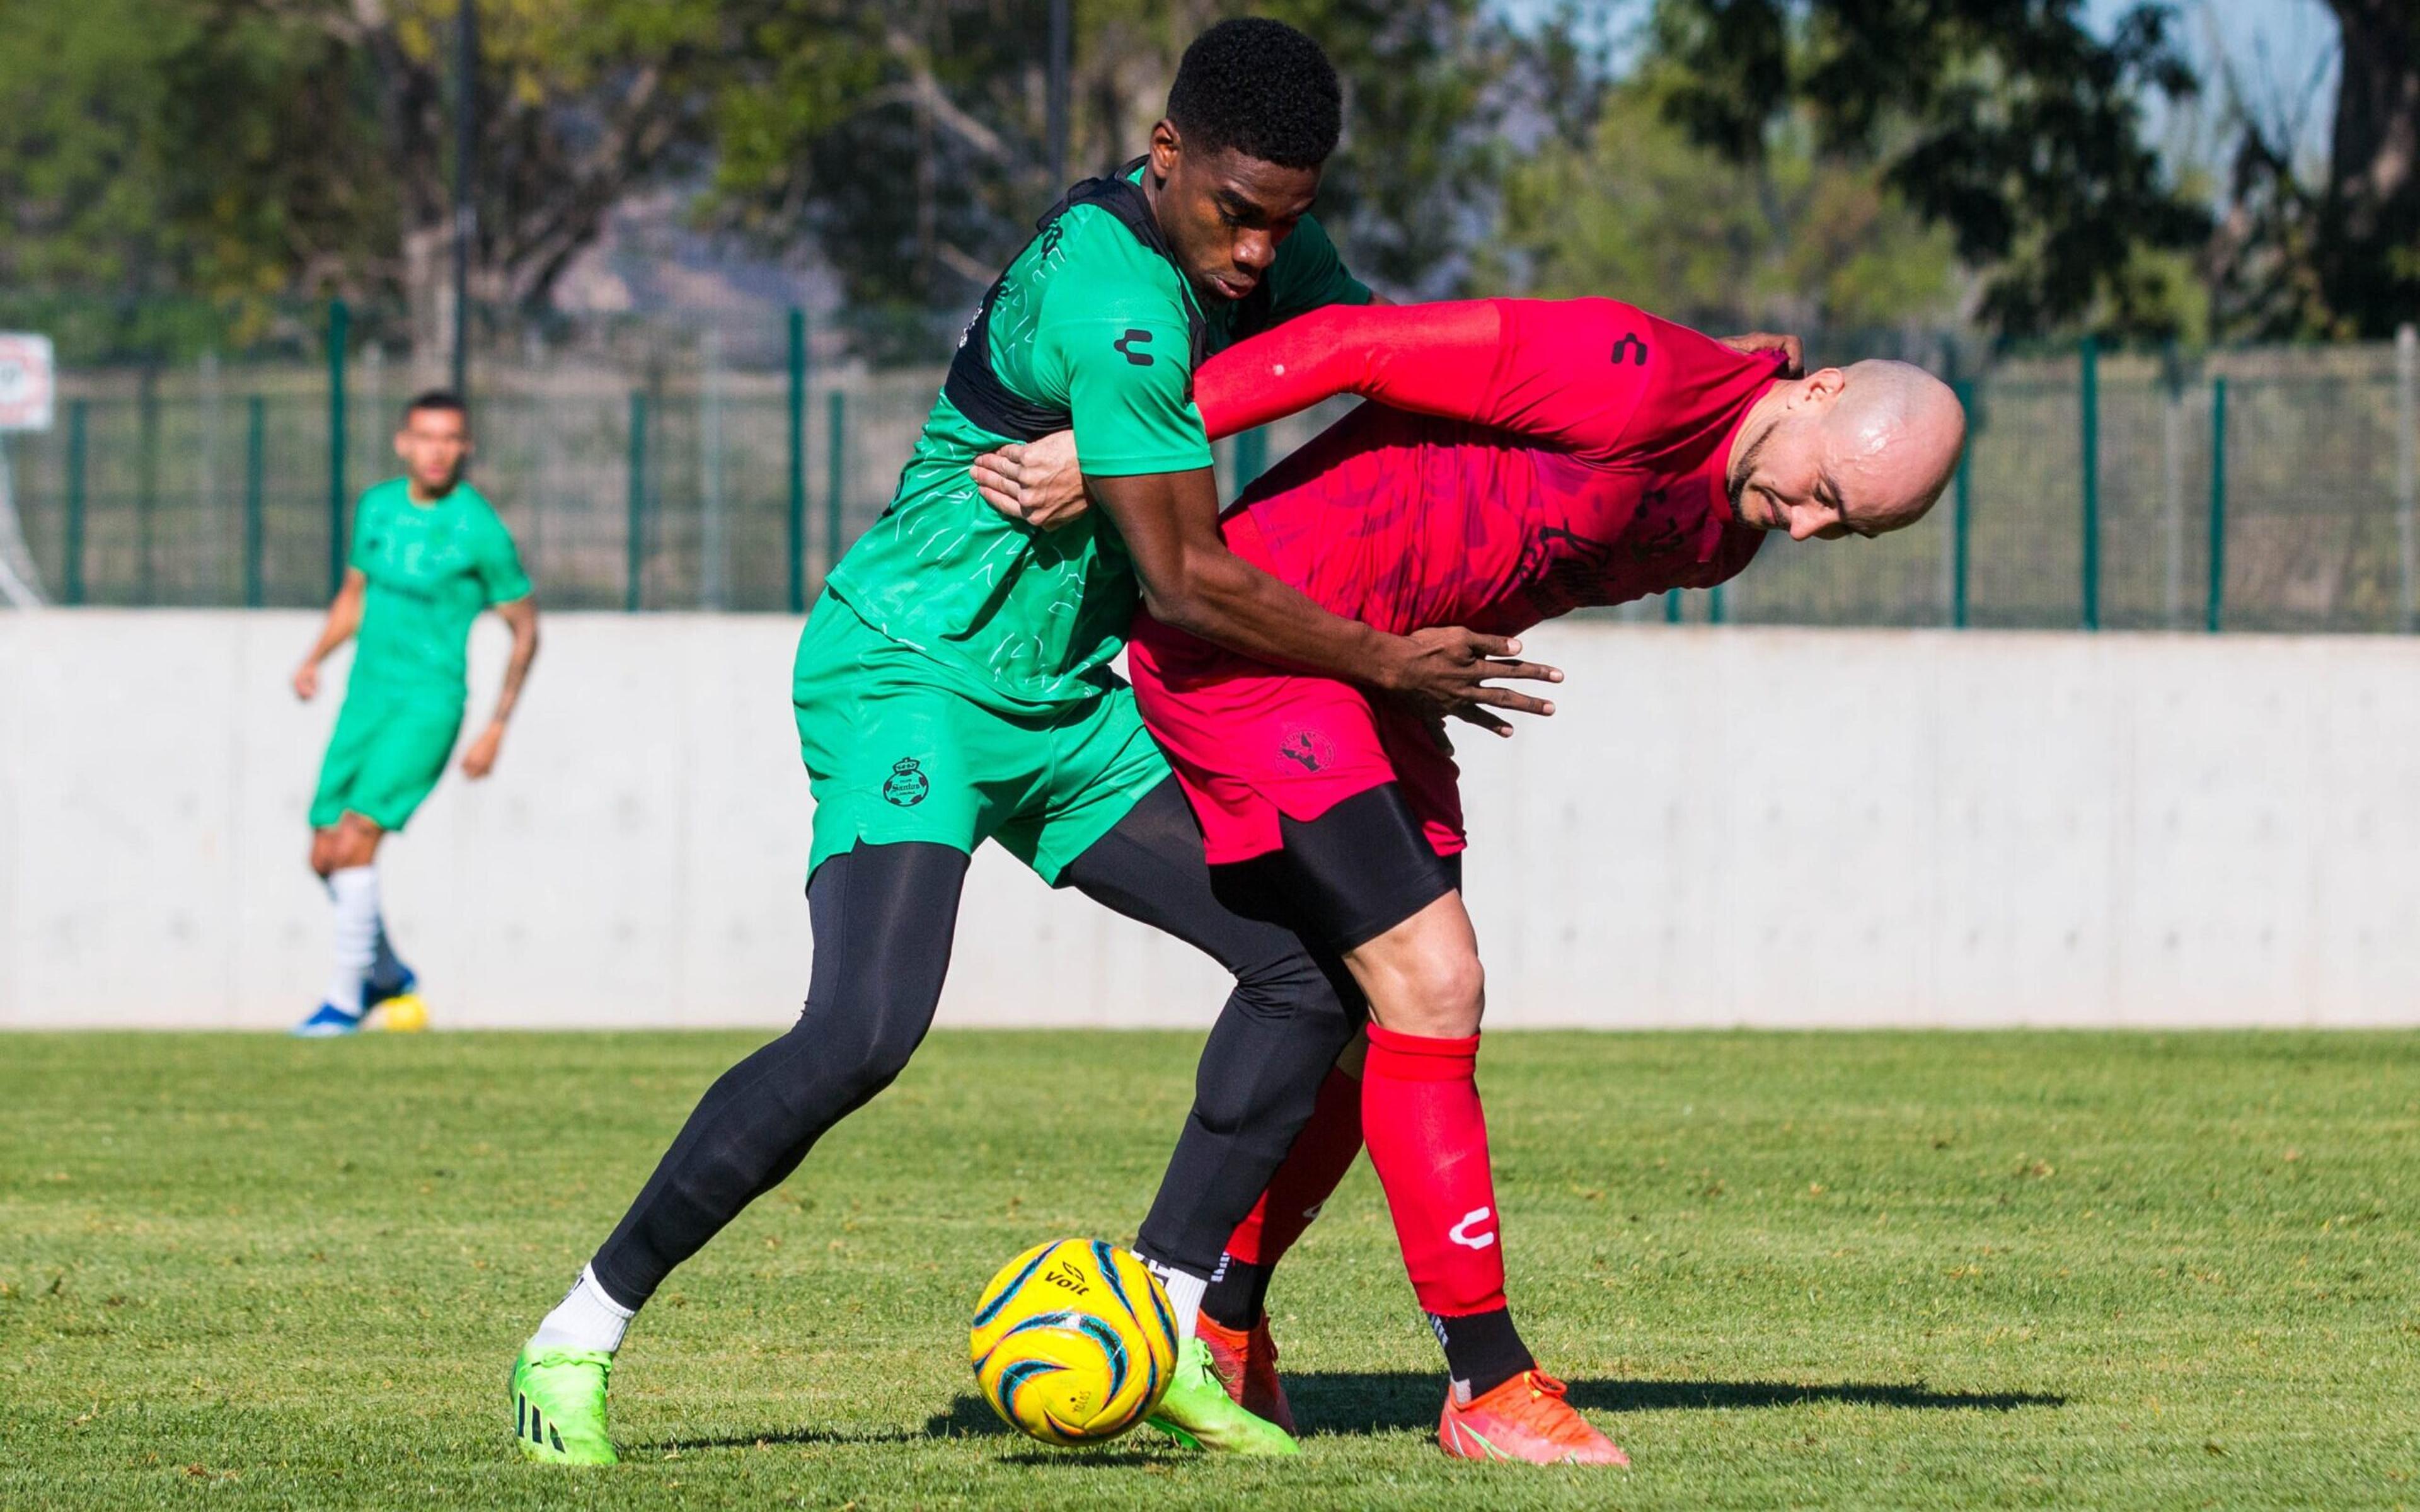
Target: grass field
[(1785, 1270)]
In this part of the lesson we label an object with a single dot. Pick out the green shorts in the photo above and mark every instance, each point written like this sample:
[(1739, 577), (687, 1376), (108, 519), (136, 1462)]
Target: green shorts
[(895, 750), (386, 754)]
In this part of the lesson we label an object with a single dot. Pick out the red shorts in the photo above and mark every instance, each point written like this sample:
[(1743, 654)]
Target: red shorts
[(1251, 742)]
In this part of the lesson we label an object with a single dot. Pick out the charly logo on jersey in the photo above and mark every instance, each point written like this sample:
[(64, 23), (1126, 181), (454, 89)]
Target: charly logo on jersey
[(1631, 342), (906, 784), (1128, 346)]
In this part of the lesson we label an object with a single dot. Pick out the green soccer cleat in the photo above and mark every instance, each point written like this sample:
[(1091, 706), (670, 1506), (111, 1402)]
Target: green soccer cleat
[(1198, 1414), (559, 1405)]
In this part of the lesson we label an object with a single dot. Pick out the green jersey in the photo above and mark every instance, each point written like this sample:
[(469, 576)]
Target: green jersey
[(431, 569), (1090, 323)]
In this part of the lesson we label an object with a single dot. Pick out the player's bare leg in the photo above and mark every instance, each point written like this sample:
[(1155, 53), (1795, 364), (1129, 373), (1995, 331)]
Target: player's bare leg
[(1427, 1137), (350, 842)]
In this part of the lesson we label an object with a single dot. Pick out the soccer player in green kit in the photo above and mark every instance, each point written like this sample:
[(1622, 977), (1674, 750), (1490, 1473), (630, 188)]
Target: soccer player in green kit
[(952, 687), (428, 556)]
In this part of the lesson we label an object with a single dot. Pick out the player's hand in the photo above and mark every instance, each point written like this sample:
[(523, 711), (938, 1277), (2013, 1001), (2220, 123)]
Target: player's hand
[(1036, 483), (306, 681), (1450, 673), (1793, 363), (481, 758)]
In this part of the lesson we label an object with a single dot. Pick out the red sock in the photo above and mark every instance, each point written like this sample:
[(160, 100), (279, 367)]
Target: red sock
[(1428, 1139), (1321, 1153)]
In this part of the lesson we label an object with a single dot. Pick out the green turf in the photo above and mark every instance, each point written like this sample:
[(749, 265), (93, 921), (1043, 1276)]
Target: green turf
[(2049, 1270)]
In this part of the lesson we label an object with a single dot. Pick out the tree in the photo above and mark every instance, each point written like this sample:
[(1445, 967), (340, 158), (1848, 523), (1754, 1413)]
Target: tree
[(580, 102), (1642, 214), (907, 139), (240, 149), (2006, 122), (146, 158), (2335, 258)]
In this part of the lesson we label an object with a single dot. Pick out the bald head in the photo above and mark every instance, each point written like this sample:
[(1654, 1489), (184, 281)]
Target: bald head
[(1855, 450)]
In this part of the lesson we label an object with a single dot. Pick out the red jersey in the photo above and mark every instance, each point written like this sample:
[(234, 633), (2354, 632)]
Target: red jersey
[(1567, 454)]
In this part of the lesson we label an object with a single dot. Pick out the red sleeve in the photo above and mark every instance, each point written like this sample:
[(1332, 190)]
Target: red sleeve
[(1430, 358), (1571, 372)]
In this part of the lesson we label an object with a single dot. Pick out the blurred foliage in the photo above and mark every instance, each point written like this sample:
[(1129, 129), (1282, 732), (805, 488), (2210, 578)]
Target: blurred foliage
[(1642, 214), (2335, 253), (184, 172), (911, 141), (230, 151), (158, 149), (2008, 122), (238, 151)]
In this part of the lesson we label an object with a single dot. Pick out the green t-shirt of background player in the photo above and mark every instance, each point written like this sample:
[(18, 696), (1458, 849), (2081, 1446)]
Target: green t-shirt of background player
[(1088, 319), (431, 569)]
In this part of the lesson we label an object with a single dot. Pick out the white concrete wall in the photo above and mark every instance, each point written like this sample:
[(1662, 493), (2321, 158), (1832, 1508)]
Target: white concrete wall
[(1722, 826)]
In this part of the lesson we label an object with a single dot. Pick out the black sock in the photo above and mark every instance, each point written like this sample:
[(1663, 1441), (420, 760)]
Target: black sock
[(1484, 1351), (1237, 1294)]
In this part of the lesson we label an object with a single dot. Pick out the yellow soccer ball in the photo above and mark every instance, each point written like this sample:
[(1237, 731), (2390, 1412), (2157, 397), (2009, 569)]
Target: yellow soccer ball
[(1074, 1342), (404, 1013)]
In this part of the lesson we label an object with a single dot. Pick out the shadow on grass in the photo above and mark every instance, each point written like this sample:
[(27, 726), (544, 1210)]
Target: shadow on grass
[(774, 1437), (1380, 1402), (1361, 1402), (968, 1417)]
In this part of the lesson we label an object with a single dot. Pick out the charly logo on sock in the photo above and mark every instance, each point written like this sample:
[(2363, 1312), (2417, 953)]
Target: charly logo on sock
[(1460, 1233)]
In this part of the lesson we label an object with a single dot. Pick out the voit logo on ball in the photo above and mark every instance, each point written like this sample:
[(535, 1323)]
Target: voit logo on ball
[(907, 784)]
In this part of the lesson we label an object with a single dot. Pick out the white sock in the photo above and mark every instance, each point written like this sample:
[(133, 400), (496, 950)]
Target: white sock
[(355, 888), (585, 1319), (1184, 1295)]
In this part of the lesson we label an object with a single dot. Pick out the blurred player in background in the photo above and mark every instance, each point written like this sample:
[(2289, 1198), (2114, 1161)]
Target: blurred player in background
[(428, 555), (1538, 457), (952, 687)]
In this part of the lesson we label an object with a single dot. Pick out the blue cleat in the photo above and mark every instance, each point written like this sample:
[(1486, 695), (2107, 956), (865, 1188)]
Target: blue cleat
[(329, 1022)]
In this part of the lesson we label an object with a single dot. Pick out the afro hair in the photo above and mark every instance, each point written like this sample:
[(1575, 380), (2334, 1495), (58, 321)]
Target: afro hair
[(1260, 87)]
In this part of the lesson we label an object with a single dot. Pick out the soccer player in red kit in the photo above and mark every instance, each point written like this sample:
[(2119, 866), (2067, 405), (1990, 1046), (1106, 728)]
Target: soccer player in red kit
[(1524, 458)]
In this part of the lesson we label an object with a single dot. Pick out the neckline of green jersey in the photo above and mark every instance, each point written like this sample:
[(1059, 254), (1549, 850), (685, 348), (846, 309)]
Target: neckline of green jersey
[(1132, 173)]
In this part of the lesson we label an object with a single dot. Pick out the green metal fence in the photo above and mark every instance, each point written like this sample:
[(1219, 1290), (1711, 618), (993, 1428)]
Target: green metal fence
[(2268, 489)]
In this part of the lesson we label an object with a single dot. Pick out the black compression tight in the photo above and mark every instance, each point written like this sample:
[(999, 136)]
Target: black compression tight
[(883, 917)]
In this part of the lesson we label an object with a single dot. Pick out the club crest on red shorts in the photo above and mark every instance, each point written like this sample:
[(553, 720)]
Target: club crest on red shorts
[(1307, 749)]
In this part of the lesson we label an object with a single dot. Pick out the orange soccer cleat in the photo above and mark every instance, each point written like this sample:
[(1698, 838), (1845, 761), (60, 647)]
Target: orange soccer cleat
[(1246, 1363), (1525, 1419)]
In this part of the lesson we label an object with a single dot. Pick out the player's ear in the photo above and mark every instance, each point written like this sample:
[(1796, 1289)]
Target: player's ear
[(1166, 147), (1822, 386)]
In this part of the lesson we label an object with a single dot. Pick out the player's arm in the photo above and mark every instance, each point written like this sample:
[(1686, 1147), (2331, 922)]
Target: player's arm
[(344, 618), (1568, 372), (1126, 368), (1192, 582), (520, 615), (1546, 371), (1039, 481), (509, 593)]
